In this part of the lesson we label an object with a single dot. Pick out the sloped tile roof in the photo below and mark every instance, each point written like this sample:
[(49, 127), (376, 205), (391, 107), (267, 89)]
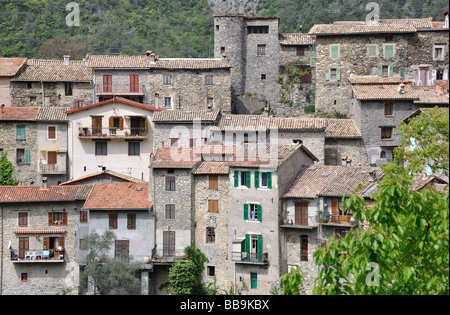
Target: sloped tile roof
[(384, 92), (327, 180), (296, 39), (255, 122), (342, 128), (377, 80), (174, 157), (185, 115), (10, 66), (214, 168), (12, 113), (54, 71), (113, 100), (51, 114), (124, 196), (13, 194)]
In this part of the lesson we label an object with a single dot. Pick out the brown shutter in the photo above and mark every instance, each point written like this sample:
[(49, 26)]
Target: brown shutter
[(107, 83), (213, 182), (46, 243), (111, 122), (52, 157), (121, 123), (213, 205), (23, 246), (61, 241), (50, 218), (334, 211), (64, 218)]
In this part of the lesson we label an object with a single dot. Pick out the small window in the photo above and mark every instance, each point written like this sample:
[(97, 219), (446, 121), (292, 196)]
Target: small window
[(304, 248), (20, 132), (300, 51), (29, 85), (23, 156), (438, 53), (387, 133), (264, 181), (258, 29), (68, 88), (389, 109), (134, 148), (222, 50), (385, 71), (217, 27), (333, 74), (372, 50), (389, 51), (131, 221), (210, 102), (210, 235), (23, 218), (170, 183), (113, 221), (261, 50), (243, 179), (213, 182), (382, 154), (213, 205), (57, 218), (170, 212), (263, 77), (335, 51), (439, 74), (389, 38), (168, 102), (83, 216), (101, 148), (24, 277), (167, 80), (211, 271), (51, 132), (209, 79)]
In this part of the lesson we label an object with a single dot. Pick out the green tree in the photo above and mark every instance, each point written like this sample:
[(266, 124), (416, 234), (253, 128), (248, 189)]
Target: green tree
[(6, 171), (108, 276), (291, 282), (405, 249)]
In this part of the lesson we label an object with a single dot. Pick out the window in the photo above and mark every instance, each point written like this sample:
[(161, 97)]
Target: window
[(222, 50), (333, 74), (51, 132), (209, 79), (101, 148), (107, 83), (389, 51), (389, 109), (389, 38), (209, 102), (170, 183), (385, 70), (300, 51), (20, 132), (210, 235), (170, 212), (304, 248), (29, 85), (24, 243), (439, 74), (211, 271), (24, 277), (244, 179), (167, 80), (121, 249), (252, 212), (438, 53), (382, 154), (263, 76), (213, 182), (32, 100), (387, 133), (217, 27), (213, 205), (57, 218), (134, 148), (263, 179), (334, 51), (68, 88), (306, 73), (372, 50), (23, 218), (83, 216), (131, 221), (257, 29), (261, 50), (113, 221), (23, 156), (134, 83), (168, 243), (168, 102)]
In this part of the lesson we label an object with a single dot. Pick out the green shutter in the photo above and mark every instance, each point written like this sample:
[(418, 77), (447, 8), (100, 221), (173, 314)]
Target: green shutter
[(248, 179), (256, 179), (338, 74), (236, 178), (247, 243), (402, 72), (334, 51), (246, 211), (269, 180), (380, 70), (27, 156), (388, 51), (391, 71), (259, 212), (254, 280), (20, 132), (372, 51), (260, 248), (243, 247), (327, 74)]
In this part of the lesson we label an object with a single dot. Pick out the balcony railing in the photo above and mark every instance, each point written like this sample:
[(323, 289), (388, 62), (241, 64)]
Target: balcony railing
[(52, 169), (259, 258), (38, 256), (120, 89), (112, 132), (339, 219)]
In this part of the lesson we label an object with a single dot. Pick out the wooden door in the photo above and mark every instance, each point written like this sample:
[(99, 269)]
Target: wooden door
[(334, 211), (134, 83), (301, 213), (23, 246), (168, 243), (97, 126), (51, 157), (107, 83), (424, 77)]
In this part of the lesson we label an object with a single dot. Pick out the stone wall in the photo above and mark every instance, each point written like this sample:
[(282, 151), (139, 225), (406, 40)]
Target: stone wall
[(353, 148), (42, 278)]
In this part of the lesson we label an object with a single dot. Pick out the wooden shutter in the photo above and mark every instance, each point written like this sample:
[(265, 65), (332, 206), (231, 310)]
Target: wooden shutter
[(50, 218), (46, 243), (52, 157), (27, 156), (256, 179), (260, 248), (300, 51), (301, 213), (23, 246), (213, 205), (389, 51), (213, 182), (269, 180), (259, 212), (107, 83), (402, 72), (131, 221), (111, 122), (61, 241), (64, 218), (247, 243), (134, 83), (304, 242), (327, 74), (121, 123), (391, 70), (236, 178), (168, 243), (246, 206), (23, 218), (334, 211), (51, 132), (334, 51), (248, 175)]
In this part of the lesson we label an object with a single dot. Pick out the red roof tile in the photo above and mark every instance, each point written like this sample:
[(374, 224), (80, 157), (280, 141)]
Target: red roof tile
[(113, 100), (10, 66), (18, 113), (13, 194), (174, 157)]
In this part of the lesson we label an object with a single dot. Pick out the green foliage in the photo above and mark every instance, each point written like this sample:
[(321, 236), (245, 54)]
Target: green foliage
[(310, 109), (291, 282), (6, 171), (405, 249), (293, 78)]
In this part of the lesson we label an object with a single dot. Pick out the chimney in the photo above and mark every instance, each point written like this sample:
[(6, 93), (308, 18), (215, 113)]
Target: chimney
[(3, 106), (375, 20), (44, 183), (344, 160), (265, 112), (349, 161), (300, 29), (66, 61), (372, 175), (402, 88), (151, 57)]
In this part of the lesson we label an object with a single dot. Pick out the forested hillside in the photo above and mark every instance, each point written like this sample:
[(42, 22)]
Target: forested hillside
[(171, 28)]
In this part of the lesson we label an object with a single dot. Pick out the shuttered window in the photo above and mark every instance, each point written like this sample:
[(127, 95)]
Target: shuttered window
[(57, 218), (20, 132), (113, 221), (23, 218), (334, 51), (372, 50), (51, 132), (213, 205), (168, 243), (170, 183), (134, 83), (131, 221), (170, 212), (121, 249), (213, 182), (304, 248), (388, 51), (107, 83), (210, 235), (24, 244)]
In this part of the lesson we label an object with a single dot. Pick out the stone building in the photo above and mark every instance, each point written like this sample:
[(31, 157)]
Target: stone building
[(259, 55), (8, 69), (313, 212), (39, 239), (378, 105), (163, 83), (415, 49), (259, 175), (58, 83)]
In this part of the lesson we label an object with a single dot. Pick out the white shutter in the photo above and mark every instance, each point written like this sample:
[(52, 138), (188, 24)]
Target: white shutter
[(433, 77), (445, 74)]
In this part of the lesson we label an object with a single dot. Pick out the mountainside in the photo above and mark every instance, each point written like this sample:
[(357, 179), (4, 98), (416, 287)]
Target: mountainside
[(170, 28)]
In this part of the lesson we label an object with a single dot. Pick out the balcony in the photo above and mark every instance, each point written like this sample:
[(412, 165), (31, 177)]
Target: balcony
[(38, 256), (337, 220), (120, 89), (52, 169), (301, 222), (112, 133), (250, 258)]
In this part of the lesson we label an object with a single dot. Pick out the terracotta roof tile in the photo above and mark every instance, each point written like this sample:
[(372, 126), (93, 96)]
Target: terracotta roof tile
[(38, 194), (205, 168), (296, 39), (358, 27), (54, 71), (377, 80), (10, 113), (126, 196), (10, 66), (255, 122), (113, 100), (174, 157), (51, 114), (342, 128), (185, 115), (384, 92)]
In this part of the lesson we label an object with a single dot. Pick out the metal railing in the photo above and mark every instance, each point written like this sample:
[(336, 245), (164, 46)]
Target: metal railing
[(89, 132), (119, 88), (34, 255), (250, 257)]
